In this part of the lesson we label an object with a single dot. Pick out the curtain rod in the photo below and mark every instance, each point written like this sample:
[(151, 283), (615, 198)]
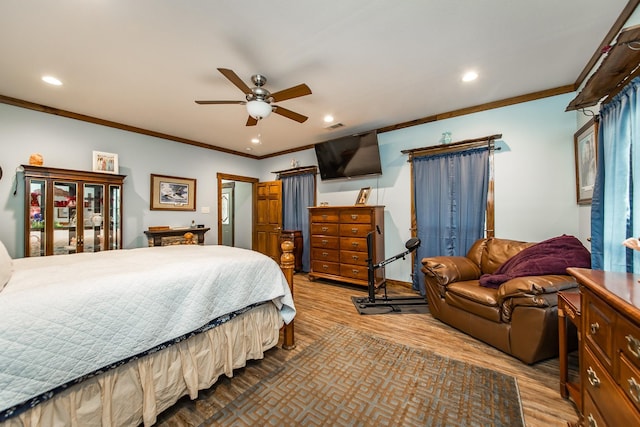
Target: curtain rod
[(454, 146), (298, 170)]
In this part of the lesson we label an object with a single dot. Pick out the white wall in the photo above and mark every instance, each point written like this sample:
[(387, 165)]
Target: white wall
[(535, 177), (243, 215), (534, 173), (67, 143)]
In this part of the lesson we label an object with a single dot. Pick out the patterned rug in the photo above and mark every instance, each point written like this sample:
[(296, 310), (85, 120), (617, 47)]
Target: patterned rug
[(349, 378)]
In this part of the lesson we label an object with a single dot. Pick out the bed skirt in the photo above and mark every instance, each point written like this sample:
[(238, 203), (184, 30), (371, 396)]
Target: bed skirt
[(138, 391)]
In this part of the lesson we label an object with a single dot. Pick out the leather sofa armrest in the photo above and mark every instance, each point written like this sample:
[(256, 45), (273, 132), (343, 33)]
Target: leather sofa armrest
[(532, 291), (449, 269)]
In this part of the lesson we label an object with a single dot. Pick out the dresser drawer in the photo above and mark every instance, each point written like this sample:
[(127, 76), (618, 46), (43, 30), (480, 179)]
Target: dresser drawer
[(325, 215), (629, 380), (355, 216), (326, 242), (353, 257), (326, 267), (358, 244), (628, 340), (355, 271), (325, 255), (324, 228), (592, 417), (613, 406), (355, 230), (598, 328)]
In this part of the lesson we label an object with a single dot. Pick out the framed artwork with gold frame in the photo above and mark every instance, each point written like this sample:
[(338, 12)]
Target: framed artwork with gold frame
[(172, 193)]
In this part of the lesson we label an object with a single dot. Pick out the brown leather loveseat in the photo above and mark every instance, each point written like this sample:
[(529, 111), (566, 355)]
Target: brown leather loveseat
[(519, 317)]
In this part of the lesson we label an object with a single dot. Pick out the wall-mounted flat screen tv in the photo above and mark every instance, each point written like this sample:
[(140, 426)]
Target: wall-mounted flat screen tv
[(349, 157)]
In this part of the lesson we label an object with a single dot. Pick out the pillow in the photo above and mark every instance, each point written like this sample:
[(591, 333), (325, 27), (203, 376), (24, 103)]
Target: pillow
[(6, 266)]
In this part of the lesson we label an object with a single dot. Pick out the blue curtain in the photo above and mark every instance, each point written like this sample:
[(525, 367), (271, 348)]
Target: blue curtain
[(613, 217), (450, 204), (298, 193)]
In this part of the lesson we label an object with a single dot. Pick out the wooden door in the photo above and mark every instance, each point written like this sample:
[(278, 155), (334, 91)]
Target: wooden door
[(268, 219)]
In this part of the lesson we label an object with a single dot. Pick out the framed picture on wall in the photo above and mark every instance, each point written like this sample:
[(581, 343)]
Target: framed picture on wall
[(105, 162), (586, 144), (171, 193)]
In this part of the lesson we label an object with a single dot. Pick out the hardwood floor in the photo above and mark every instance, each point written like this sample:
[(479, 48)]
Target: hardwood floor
[(320, 305)]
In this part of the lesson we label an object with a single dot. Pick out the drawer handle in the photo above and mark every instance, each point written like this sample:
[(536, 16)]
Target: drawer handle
[(355, 257), (324, 216), (354, 216), (325, 267), (592, 421), (592, 377), (354, 244), (355, 271), (324, 242), (325, 254), (594, 328), (325, 229), (634, 389), (633, 344), (354, 230)]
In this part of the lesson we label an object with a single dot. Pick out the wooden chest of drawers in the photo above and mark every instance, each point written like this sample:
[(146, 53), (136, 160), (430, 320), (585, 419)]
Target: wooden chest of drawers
[(339, 242), (610, 348)]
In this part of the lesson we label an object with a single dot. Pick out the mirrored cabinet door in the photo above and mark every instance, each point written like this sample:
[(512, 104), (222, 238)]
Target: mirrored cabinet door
[(115, 215), (65, 217), (68, 211), (36, 198), (93, 218)]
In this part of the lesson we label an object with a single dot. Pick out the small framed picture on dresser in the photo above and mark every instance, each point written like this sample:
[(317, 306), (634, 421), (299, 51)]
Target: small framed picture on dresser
[(363, 196)]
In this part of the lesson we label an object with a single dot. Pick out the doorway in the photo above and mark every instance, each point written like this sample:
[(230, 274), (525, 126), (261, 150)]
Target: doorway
[(235, 210)]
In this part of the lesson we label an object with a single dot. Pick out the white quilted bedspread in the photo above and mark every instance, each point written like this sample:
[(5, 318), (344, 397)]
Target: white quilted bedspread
[(65, 316)]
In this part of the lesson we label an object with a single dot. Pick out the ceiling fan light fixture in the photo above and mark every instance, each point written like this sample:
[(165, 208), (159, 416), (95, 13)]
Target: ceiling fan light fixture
[(258, 109)]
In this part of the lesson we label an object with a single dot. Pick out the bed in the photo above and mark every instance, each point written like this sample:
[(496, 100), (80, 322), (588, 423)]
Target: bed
[(114, 338)]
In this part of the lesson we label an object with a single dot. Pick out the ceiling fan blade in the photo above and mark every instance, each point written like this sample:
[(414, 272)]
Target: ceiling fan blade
[(220, 102), (233, 78), (292, 92), (251, 121), (290, 114)]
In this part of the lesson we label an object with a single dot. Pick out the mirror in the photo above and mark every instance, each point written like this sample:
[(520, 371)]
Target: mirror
[(235, 210)]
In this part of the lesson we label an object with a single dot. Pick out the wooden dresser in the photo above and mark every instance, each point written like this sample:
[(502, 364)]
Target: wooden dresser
[(610, 347), (339, 242)]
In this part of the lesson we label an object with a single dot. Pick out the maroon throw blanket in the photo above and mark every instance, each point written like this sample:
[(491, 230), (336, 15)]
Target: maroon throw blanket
[(552, 256)]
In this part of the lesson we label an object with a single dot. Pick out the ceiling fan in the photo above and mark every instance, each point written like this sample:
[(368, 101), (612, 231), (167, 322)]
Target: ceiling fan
[(259, 100)]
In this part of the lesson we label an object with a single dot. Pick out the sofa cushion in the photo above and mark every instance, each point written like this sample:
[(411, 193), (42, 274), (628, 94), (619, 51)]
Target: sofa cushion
[(476, 250), (470, 297), (498, 251)]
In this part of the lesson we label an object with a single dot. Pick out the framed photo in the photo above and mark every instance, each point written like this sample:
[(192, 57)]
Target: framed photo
[(363, 196), (171, 193), (105, 162), (586, 144)]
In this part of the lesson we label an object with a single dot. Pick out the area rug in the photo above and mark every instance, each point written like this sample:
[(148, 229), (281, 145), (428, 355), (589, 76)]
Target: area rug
[(350, 378)]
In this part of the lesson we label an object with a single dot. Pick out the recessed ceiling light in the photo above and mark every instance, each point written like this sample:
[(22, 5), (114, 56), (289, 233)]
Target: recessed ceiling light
[(51, 80), (470, 76), (328, 118)]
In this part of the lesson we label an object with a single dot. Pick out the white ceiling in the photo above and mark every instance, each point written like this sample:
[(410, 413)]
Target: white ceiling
[(369, 63)]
